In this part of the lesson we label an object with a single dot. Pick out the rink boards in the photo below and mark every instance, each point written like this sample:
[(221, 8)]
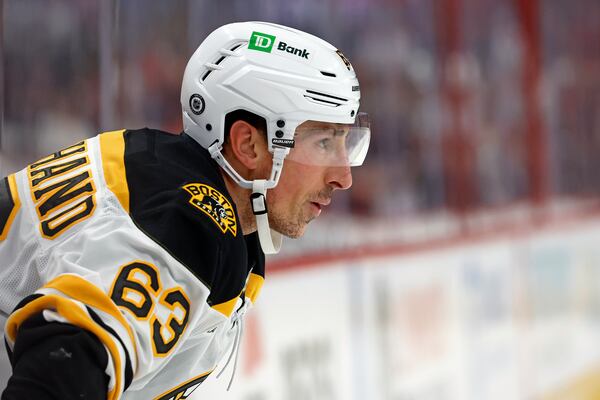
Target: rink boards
[(507, 317)]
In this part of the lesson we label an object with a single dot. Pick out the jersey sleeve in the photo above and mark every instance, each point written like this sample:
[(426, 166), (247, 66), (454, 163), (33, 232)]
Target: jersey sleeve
[(56, 361), (69, 300)]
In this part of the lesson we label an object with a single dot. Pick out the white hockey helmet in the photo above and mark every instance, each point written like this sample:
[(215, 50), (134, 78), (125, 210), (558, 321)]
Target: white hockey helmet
[(281, 74)]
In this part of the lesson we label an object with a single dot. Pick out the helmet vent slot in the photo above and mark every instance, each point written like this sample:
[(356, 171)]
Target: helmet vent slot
[(206, 75), (322, 102), (326, 95), (323, 98), (329, 74), (224, 54)]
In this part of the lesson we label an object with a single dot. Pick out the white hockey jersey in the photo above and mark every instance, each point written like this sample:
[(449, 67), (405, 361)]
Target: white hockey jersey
[(132, 236)]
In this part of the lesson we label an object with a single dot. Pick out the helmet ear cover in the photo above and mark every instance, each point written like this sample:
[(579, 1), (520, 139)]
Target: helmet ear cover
[(255, 120)]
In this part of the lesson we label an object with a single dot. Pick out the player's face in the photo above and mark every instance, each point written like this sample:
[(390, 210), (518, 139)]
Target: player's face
[(303, 192)]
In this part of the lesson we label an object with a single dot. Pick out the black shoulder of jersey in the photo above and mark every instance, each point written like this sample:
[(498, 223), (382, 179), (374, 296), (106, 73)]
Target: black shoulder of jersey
[(256, 257), (179, 199)]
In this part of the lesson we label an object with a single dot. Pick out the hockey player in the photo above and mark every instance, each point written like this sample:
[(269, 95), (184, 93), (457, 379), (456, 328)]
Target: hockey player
[(129, 259)]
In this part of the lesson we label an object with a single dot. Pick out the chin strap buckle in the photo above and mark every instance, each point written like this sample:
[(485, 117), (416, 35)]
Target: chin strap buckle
[(259, 203)]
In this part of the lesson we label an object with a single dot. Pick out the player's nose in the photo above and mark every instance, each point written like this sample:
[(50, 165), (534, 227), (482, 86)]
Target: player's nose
[(339, 177)]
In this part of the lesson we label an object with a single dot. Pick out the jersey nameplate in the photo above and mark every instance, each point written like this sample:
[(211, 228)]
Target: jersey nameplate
[(212, 203), (62, 189)]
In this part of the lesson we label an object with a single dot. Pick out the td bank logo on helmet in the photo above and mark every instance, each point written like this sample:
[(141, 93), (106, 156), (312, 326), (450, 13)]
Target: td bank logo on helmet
[(262, 42)]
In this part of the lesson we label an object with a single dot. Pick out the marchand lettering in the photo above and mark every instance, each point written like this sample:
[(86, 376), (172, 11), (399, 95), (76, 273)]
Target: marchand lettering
[(62, 189), (282, 46)]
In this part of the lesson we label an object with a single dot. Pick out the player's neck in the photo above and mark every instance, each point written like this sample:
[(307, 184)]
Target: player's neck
[(241, 198)]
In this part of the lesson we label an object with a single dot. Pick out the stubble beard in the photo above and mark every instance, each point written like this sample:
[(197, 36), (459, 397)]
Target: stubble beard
[(293, 224)]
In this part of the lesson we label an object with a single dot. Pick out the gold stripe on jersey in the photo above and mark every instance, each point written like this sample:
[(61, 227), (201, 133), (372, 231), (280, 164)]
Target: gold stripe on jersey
[(227, 307), (253, 287), (69, 310), (14, 194), (183, 391), (112, 147), (89, 294)]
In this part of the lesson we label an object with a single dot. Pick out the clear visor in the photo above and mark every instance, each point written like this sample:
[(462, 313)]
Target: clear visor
[(334, 145)]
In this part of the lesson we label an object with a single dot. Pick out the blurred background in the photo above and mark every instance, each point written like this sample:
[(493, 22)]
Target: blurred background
[(463, 264)]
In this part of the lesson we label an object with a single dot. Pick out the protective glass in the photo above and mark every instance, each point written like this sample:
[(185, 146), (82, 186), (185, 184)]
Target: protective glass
[(334, 145)]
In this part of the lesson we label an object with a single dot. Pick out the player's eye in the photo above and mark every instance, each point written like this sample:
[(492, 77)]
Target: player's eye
[(324, 144)]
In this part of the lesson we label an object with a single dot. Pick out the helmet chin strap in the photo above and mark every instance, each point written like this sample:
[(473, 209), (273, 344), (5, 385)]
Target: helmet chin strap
[(270, 241)]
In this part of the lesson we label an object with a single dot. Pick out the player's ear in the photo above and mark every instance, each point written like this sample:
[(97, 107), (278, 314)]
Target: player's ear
[(247, 144)]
